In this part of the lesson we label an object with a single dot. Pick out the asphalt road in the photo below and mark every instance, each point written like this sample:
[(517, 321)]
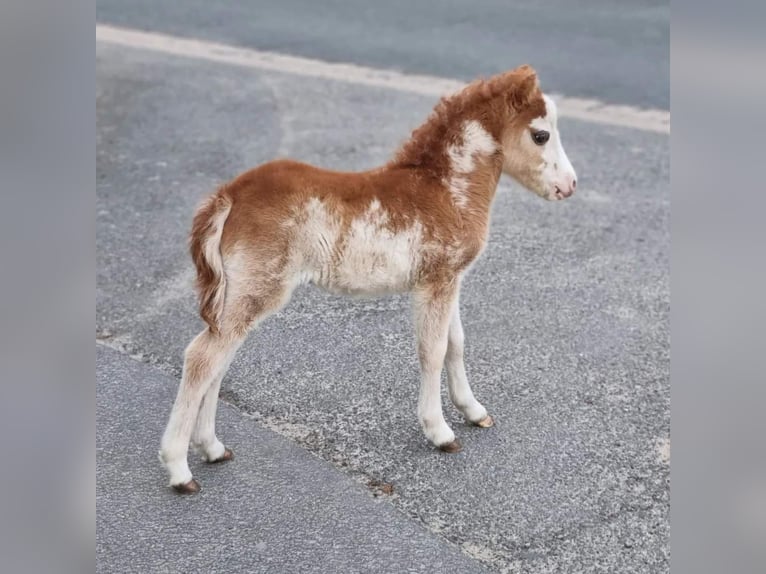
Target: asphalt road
[(281, 511), (566, 315), (618, 52)]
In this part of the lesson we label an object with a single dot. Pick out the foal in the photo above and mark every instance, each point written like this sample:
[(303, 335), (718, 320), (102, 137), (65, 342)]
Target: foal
[(415, 224)]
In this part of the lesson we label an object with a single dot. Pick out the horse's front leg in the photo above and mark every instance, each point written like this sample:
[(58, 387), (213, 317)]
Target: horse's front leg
[(433, 306), (457, 382)]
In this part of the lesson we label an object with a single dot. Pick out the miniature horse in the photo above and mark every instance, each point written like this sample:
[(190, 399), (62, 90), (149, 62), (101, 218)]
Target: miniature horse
[(415, 224)]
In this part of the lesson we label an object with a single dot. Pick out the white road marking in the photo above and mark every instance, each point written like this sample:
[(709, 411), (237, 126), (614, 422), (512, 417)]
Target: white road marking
[(582, 109), (663, 450)]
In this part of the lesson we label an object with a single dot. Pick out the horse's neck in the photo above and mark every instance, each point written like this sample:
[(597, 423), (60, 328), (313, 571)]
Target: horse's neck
[(475, 191)]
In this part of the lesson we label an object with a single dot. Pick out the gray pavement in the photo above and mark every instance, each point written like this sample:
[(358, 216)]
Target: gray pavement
[(618, 52), (566, 319), (278, 509)]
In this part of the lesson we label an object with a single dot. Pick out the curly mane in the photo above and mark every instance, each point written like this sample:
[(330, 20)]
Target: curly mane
[(495, 102)]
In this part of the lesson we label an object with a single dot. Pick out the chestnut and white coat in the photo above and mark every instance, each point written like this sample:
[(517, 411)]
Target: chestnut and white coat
[(413, 225)]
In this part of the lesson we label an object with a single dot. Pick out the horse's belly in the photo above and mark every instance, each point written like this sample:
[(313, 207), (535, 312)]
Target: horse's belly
[(375, 272), (369, 272), (368, 258)]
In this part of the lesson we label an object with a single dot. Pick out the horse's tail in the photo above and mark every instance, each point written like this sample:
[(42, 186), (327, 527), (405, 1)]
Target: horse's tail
[(205, 246)]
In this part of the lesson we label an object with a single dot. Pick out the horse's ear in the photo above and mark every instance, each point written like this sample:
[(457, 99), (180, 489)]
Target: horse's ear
[(524, 88)]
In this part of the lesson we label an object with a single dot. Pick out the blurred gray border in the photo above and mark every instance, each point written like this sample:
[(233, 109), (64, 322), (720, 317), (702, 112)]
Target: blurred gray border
[(47, 133), (718, 350), (47, 242)]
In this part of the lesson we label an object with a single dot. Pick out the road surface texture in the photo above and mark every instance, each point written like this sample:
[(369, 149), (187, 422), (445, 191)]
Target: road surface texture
[(282, 511), (566, 314), (614, 51)]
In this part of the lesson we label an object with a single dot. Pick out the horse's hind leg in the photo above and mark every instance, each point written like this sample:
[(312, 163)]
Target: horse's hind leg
[(243, 314), (206, 360), (203, 437)]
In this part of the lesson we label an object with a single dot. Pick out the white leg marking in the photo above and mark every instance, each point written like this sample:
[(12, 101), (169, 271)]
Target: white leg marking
[(206, 358), (204, 437), (432, 315), (459, 390)]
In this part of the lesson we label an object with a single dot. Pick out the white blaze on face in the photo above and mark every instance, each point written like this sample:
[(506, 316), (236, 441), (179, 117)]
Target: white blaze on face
[(557, 171), (476, 142)]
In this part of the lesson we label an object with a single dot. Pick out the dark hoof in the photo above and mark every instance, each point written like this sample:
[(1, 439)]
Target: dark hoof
[(451, 447), (486, 422), (191, 487), (225, 457)]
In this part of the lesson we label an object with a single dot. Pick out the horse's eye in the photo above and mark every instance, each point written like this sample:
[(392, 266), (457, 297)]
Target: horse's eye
[(540, 137)]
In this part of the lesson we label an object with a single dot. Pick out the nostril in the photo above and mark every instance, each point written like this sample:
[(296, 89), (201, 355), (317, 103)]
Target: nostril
[(574, 184)]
